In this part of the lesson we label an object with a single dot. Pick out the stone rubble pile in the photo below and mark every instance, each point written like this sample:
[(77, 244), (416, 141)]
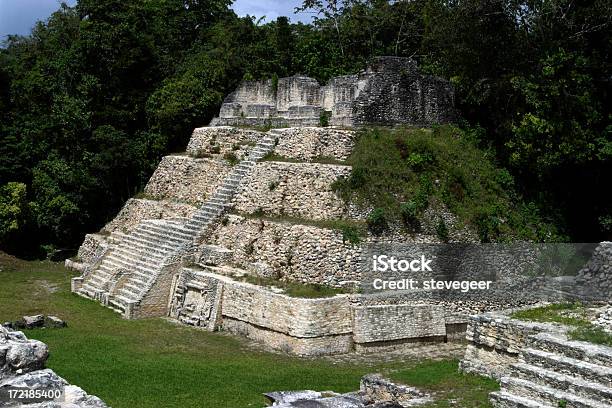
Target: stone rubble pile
[(604, 320), (22, 364), (375, 392), (36, 322)]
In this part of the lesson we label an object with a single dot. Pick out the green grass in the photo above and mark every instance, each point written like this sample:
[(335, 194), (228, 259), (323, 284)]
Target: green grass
[(417, 168), (156, 363), (582, 328), (442, 379)]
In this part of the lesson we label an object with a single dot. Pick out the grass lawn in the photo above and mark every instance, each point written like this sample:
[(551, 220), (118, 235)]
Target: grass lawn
[(155, 363)]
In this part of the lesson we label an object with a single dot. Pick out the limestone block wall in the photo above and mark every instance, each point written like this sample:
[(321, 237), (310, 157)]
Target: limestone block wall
[(301, 190), (220, 140), (308, 143), (136, 210), (298, 326), (204, 298), (385, 323), (295, 252), (186, 179)]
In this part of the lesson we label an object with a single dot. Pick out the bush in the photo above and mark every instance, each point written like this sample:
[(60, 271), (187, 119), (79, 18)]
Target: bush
[(14, 209), (442, 230), (410, 215), (350, 234), (231, 158), (377, 221), (324, 118)]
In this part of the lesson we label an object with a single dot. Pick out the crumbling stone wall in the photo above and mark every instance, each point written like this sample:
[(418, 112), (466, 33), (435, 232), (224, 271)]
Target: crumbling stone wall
[(311, 143), (597, 273), (136, 210), (221, 140), (281, 188), (292, 251), (390, 91), (186, 179)]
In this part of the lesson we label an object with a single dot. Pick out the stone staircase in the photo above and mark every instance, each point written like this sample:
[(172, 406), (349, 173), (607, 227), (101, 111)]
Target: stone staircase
[(125, 274), (554, 372)]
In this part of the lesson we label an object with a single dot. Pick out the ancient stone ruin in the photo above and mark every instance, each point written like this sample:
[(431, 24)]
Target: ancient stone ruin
[(241, 206), (537, 364), (390, 91)]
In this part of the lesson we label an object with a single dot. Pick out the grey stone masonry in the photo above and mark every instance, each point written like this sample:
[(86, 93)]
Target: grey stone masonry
[(556, 372), (132, 275), (537, 364), (390, 91)]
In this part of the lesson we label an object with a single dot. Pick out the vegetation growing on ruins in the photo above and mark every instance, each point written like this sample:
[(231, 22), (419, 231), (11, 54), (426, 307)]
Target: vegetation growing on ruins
[(98, 93), (155, 363), (572, 314), (401, 172)]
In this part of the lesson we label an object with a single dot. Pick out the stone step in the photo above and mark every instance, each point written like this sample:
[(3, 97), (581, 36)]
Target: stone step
[(95, 281), (138, 250), (132, 287), (132, 258), (567, 365), (144, 269), (547, 395), (172, 231), (563, 382), (90, 291), (579, 350), (503, 399), (129, 293), (148, 243)]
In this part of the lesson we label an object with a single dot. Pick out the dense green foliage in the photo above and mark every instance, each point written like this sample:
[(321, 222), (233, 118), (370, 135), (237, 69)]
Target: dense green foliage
[(155, 363), (402, 172), (92, 99)]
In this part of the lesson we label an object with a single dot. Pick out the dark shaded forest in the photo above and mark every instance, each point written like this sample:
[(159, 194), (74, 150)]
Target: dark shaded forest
[(91, 100)]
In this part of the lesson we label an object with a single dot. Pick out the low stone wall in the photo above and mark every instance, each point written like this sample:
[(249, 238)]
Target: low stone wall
[(22, 364), (495, 341), (296, 325), (186, 179), (281, 188), (331, 325), (378, 324), (136, 210), (308, 143)]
